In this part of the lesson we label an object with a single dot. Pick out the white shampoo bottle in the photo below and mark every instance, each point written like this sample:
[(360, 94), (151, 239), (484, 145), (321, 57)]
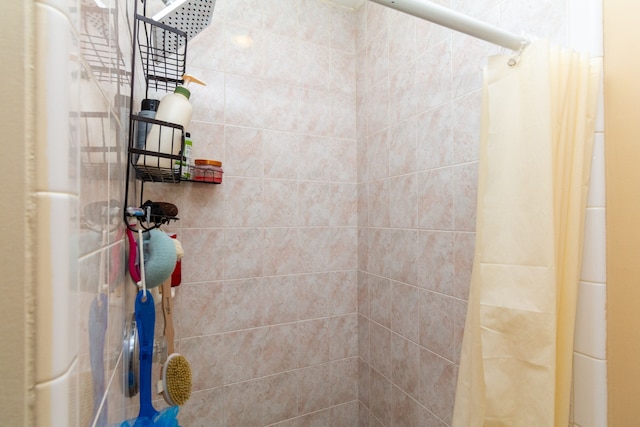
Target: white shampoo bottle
[(174, 108)]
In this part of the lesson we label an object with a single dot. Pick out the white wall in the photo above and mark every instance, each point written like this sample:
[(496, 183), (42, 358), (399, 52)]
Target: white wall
[(590, 357)]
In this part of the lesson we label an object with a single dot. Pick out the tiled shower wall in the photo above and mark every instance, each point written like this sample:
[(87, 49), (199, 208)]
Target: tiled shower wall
[(419, 104), (590, 354), (83, 51), (418, 121), (267, 309)]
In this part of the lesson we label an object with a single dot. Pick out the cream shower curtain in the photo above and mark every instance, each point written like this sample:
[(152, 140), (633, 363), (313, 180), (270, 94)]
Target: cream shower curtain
[(537, 137)]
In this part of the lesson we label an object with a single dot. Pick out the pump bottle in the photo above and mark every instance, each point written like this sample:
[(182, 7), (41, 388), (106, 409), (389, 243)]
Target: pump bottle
[(174, 108), (149, 108)]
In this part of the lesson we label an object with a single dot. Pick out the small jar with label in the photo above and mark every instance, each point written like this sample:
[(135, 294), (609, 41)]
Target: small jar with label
[(206, 170)]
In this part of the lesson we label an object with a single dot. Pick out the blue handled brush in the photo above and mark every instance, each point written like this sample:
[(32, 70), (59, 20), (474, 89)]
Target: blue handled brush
[(145, 321)]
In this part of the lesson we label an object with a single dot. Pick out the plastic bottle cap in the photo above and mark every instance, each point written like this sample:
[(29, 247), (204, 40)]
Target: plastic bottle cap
[(182, 91), (207, 162), (150, 104)]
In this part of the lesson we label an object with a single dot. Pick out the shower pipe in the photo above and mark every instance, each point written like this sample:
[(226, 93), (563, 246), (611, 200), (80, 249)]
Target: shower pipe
[(457, 21)]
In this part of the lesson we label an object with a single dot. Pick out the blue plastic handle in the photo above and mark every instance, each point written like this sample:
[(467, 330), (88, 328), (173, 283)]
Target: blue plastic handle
[(145, 322)]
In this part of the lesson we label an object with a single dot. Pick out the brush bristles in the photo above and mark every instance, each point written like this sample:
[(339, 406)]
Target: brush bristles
[(178, 379)]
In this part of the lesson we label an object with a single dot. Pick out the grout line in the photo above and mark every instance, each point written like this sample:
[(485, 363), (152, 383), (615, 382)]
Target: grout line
[(288, 371), (595, 359)]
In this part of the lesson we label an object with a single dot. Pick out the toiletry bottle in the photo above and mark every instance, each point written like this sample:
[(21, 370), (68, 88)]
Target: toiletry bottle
[(186, 156), (174, 108), (149, 108)]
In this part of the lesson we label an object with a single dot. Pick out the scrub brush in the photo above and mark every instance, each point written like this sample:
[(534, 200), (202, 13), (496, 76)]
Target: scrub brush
[(176, 379), (175, 384)]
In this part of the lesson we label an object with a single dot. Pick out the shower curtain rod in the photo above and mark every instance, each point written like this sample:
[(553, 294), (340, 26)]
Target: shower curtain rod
[(457, 21)]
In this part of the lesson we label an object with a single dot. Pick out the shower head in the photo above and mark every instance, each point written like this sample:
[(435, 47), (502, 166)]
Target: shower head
[(188, 16)]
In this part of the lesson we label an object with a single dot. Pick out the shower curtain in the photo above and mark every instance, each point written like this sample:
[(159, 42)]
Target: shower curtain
[(536, 143)]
